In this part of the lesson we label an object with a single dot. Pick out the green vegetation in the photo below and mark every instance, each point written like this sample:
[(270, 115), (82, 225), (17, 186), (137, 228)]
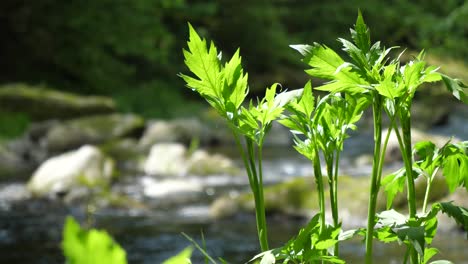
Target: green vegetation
[(132, 51), (369, 78), (87, 247)]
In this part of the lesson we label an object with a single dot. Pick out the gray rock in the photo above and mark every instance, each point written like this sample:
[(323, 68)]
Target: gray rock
[(61, 173), (166, 159), (169, 187), (91, 130), (41, 103), (173, 159), (203, 163), (179, 130)]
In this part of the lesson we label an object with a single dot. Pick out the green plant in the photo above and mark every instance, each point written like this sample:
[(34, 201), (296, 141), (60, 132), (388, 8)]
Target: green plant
[(225, 88), (368, 78), (89, 246)]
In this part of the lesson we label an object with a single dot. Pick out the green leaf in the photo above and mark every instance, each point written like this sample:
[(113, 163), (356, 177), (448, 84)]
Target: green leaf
[(88, 247), (456, 87), (360, 34), (429, 253), (235, 86), (391, 218), (459, 213), (327, 64), (182, 258), (389, 89), (452, 169), (204, 63), (394, 183), (225, 88)]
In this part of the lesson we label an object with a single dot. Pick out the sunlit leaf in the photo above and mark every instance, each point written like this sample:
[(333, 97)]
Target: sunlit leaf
[(182, 258), (360, 34), (394, 183), (90, 246), (456, 87)]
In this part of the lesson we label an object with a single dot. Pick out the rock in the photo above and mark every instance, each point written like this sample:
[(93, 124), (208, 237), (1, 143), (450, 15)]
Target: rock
[(41, 103), (208, 133), (223, 207), (203, 163), (298, 197), (125, 153), (61, 173), (91, 130), (178, 130), (173, 159), (163, 188), (166, 159)]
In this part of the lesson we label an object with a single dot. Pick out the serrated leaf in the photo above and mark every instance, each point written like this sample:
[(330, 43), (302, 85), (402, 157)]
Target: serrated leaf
[(394, 183), (451, 170), (235, 86), (459, 213), (204, 63), (389, 89), (284, 98), (360, 34), (456, 87), (391, 218), (429, 253)]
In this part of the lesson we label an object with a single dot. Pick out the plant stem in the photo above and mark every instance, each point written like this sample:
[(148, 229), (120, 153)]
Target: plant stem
[(256, 188), (264, 234), (332, 182), (374, 188), (321, 192), (428, 190), (405, 147)]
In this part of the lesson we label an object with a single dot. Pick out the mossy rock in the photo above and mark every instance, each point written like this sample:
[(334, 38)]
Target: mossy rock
[(41, 103), (298, 197), (97, 129)]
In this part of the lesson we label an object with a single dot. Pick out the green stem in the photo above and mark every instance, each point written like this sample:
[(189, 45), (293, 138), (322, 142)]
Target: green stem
[(405, 147), (321, 192), (374, 188), (336, 218), (264, 234), (257, 190), (428, 190)]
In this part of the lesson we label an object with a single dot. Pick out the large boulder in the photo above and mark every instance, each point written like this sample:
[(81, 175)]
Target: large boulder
[(92, 130), (41, 103), (62, 173), (173, 159)]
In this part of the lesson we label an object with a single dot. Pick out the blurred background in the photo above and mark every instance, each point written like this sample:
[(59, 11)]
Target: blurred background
[(105, 72)]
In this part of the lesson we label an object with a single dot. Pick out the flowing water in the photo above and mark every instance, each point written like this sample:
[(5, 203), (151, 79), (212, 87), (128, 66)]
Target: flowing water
[(30, 229)]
